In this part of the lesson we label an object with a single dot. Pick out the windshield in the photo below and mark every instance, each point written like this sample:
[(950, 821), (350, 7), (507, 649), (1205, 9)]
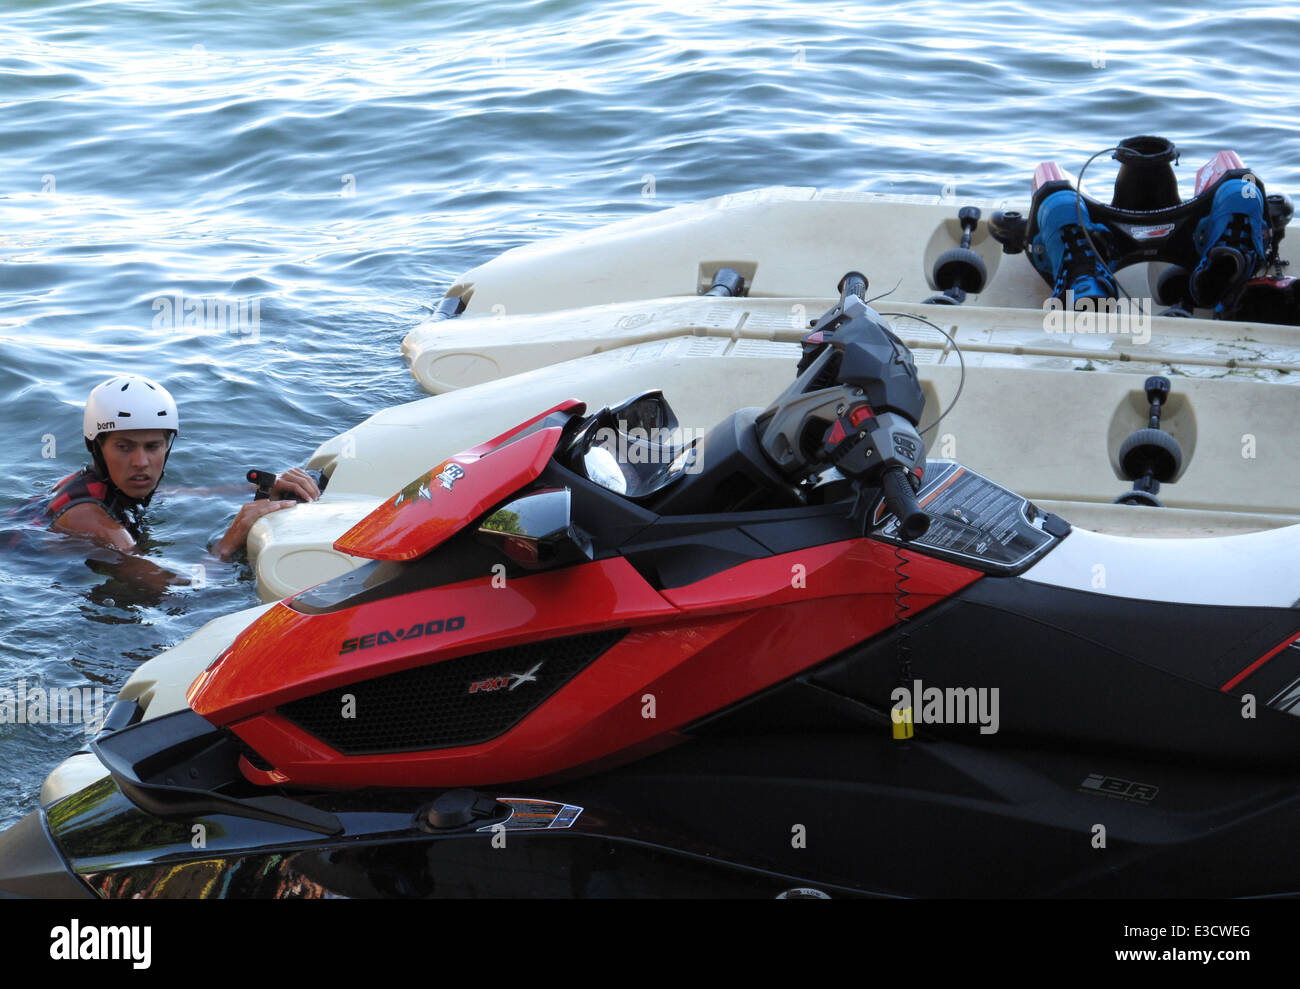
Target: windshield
[(636, 448)]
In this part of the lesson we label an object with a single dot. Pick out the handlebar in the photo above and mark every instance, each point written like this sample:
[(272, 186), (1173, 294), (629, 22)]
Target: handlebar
[(265, 481), (727, 283), (853, 283), (899, 499)]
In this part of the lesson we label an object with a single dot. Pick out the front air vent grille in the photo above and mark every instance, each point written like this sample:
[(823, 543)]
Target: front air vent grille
[(447, 704)]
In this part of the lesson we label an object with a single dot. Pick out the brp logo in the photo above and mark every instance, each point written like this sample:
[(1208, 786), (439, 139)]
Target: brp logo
[(1113, 786), (450, 475), (508, 681)]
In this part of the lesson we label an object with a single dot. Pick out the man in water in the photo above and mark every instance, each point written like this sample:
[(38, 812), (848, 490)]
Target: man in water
[(130, 425)]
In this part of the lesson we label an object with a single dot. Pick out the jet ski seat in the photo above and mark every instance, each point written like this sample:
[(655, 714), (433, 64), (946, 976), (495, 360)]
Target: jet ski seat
[(1258, 569)]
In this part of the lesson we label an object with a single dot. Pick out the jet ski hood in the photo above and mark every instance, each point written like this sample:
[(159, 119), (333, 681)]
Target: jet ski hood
[(444, 499)]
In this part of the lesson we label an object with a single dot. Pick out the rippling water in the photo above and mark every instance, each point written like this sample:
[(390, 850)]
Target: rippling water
[(340, 164)]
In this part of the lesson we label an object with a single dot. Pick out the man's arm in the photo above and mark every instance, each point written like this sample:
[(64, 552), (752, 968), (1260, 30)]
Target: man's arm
[(94, 521), (236, 535), (295, 482)]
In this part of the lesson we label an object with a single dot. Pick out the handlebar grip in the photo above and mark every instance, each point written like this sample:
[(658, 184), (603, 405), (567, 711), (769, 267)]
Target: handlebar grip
[(449, 308), (727, 283), (264, 479), (899, 498), (853, 283)]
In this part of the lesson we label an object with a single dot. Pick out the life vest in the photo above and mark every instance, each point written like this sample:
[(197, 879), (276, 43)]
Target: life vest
[(89, 486)]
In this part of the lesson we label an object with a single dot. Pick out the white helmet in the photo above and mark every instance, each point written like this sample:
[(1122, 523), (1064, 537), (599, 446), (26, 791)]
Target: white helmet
[(129, 401)]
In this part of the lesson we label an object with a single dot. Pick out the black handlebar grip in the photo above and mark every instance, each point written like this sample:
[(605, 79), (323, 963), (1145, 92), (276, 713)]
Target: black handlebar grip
[(727, 283), (899, 499), (853, 283), (449, 308), (264, 479)]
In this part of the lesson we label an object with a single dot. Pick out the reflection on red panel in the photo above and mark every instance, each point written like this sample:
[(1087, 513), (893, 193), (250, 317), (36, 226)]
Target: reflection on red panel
[(439, 503)]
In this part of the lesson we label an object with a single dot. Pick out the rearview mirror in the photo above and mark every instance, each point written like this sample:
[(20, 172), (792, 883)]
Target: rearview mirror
[(536, 531)]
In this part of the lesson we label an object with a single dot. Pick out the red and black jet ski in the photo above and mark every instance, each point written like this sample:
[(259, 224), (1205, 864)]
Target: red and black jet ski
[(791, 658)]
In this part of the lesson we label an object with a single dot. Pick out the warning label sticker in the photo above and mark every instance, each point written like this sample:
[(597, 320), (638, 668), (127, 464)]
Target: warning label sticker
[(972, 519)]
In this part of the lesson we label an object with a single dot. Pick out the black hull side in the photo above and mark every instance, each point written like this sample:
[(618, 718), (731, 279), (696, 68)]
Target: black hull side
[(1082, 671), (746, 814)]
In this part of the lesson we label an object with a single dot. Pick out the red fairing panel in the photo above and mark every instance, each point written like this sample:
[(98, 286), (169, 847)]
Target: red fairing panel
[(438, 504), (598, 712), (285, 655), (572, 406), (728, 637), (859, 568)]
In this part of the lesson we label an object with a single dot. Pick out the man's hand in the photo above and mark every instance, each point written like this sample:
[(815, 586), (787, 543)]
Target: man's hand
[(295, 481), (236, 535)]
